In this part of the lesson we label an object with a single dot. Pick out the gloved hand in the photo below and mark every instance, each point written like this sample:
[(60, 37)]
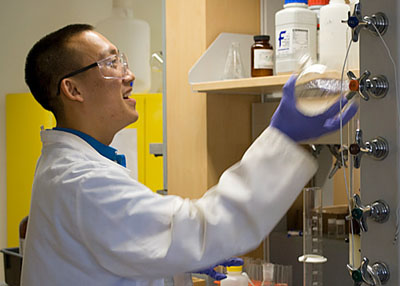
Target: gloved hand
[(234, 261), (289, 120)]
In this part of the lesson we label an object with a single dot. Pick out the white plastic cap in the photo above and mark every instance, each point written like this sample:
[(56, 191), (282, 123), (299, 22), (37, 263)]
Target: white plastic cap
[(122, 4), (268, 272), (337, 1)]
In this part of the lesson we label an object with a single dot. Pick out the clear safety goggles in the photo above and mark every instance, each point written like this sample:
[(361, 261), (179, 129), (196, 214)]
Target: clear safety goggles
[(112, 67)]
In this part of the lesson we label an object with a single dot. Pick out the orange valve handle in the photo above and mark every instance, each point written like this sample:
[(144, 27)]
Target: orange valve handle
[(354, 85)]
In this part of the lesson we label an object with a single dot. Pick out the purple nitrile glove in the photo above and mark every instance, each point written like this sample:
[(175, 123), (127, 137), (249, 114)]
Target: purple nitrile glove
[(290, 121), (234, 261)]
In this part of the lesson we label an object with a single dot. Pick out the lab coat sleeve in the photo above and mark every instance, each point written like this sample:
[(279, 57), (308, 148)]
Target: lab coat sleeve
[(133, 232)]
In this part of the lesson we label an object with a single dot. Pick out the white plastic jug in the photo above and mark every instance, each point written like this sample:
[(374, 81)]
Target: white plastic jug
[(334, 35), (235, 277), (131, 36), (295, 35)]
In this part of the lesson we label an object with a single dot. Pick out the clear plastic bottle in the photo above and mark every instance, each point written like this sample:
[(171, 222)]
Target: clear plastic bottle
[(317, 87), (235, 277), (131, 36), (295, 34)]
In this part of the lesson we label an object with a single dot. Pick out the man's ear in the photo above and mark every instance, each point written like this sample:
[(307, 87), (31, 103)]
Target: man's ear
[(69, 88)]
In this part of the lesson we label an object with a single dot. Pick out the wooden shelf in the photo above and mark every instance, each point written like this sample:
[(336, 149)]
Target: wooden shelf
[(250, 86)]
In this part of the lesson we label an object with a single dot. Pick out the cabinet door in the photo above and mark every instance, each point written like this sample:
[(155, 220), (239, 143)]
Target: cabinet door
[(24, 118)]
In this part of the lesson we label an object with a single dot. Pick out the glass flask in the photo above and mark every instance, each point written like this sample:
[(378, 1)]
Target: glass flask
[(233, 65), (317, 88)]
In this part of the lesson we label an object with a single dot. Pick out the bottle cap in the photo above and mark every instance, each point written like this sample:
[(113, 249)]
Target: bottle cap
[(234, 268), (317, 2), (295, 1), (261, 38)]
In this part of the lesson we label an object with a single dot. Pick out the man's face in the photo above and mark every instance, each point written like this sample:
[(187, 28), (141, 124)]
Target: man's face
[(105, 100)]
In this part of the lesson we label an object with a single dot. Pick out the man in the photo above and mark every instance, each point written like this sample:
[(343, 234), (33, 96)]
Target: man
[(91, 224)]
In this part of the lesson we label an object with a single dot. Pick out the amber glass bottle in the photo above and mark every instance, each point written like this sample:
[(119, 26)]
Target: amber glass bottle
[(261, 57)]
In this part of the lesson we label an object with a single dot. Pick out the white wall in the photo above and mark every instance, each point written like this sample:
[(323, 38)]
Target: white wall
[(22, 23)]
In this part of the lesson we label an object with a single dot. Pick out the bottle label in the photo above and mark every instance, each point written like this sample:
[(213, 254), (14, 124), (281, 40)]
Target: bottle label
[(291, 41), (263, 59)]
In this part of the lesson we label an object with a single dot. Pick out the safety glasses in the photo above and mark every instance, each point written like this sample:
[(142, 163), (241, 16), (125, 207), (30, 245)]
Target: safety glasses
[(112, 67)]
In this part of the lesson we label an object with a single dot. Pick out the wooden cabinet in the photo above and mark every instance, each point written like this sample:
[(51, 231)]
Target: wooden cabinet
[(205, 135)]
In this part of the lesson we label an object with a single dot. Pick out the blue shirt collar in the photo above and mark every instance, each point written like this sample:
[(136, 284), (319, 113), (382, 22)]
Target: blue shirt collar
[(104, 150)]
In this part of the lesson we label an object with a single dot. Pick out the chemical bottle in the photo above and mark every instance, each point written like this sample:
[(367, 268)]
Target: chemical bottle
[(334, 35), (234, 277), (23, 225), (315, 6), (317, 87), (131, 36), (268, 274), (262, 63), (295, 34)]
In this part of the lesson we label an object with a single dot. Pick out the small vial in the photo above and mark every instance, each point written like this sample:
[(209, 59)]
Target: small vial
[(331, 227), (340, 228), (262, 63)]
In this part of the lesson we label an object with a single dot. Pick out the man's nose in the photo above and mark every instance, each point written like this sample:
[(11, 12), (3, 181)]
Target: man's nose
[(130, 76)]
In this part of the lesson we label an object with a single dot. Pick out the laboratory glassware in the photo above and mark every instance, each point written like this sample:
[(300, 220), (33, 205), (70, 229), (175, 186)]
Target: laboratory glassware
[(312, 237), (233, 65)]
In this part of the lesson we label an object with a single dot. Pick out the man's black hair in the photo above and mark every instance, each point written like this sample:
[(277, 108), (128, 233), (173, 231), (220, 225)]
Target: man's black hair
[(48, 61)]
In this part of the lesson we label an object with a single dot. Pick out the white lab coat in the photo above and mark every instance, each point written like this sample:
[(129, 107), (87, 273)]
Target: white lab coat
[(92, 224)]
